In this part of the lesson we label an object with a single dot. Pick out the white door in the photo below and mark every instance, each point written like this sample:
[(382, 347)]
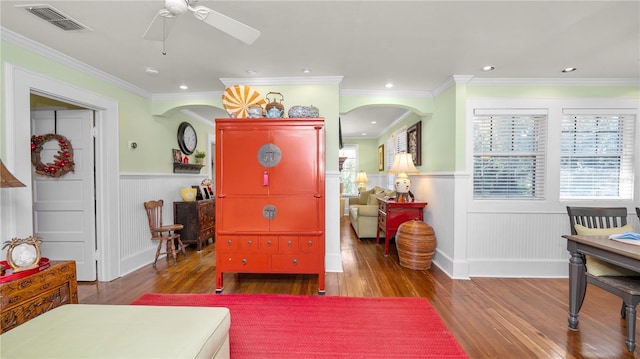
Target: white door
[(64, 207)]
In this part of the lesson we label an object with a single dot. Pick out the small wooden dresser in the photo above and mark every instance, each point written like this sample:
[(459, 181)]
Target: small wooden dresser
[(26, 298), (392, 214), (198, 219)]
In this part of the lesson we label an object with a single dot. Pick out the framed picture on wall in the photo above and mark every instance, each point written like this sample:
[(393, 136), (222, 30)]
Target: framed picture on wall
[(177, 156), (414, 142), (381, 157)]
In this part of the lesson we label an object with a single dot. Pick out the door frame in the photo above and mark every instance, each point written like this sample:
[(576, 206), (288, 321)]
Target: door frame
[(19, 84)]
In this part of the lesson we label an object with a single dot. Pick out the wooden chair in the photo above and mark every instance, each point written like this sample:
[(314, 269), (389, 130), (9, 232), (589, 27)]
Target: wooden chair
[(627, 288), (163, 233)]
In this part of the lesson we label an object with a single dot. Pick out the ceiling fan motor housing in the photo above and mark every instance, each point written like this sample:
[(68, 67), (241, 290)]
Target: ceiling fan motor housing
[(176, 7)]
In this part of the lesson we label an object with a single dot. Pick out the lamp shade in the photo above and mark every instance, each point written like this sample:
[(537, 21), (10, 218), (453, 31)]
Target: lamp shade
[(7, 179), (403, 163), (361, 177)]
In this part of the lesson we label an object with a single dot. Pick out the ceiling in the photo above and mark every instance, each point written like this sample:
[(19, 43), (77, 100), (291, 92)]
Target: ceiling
[(416, 45)]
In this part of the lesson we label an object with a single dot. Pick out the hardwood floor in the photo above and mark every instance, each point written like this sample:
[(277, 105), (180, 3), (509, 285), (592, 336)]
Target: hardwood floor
[(490, 317)]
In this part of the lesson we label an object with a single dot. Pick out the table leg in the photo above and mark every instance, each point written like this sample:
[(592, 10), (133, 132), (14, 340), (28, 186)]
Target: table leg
[(386, 244), (577, 287)]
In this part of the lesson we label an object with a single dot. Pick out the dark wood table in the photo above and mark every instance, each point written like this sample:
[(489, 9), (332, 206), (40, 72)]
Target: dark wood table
[(601, 247), (392, 214)]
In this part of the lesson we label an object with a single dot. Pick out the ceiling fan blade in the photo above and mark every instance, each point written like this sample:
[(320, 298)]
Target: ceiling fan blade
[(160, 27), (240, 31)]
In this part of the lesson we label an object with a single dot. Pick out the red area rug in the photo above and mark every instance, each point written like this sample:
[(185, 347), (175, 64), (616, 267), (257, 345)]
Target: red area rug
[(288, 326)]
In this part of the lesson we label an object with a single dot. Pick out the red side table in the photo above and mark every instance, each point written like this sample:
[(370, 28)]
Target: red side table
[(392, 214)]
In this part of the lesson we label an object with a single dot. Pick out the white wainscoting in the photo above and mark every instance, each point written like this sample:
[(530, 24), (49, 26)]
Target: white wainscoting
[(136, 247)]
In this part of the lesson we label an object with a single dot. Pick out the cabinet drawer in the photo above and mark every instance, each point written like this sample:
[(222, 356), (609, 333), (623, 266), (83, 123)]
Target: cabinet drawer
[(248, 244), (311, 244), (268, 244), (288, 244), (243, 262), (295, 263), (207, 233), (32, 308), (382, 220), (226, 243)]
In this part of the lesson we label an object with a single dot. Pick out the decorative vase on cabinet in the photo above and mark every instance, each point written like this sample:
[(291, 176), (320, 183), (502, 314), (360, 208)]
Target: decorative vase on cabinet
[(270, 197)]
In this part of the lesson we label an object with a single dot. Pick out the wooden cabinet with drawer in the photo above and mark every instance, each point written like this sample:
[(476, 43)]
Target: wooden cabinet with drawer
[(270, 197), (198, 219), (26, 298)]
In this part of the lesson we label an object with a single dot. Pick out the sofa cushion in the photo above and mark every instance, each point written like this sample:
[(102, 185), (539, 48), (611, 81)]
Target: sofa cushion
[(598, 267), (368, 211), (373, 200), (364, 196)]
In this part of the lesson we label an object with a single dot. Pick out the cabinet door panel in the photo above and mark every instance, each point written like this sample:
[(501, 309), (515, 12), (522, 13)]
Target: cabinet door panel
[(297, 172), (238, 161), (241, 214), (297, 214)]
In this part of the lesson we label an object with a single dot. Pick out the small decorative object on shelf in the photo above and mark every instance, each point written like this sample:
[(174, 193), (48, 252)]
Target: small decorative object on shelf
[(238, 98), (63, 159), (188, 194), (200, 157), (303, 112), (274, 109), (23, 253)]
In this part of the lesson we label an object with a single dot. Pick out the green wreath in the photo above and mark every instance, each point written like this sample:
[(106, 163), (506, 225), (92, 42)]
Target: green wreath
[(63, 162)]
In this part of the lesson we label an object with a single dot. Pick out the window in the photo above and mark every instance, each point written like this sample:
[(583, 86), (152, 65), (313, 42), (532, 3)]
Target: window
[(597, 156), (349, 169), (509, 156)]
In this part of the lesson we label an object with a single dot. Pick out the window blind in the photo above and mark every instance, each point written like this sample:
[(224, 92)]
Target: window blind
[(509, 153), (597, 156)]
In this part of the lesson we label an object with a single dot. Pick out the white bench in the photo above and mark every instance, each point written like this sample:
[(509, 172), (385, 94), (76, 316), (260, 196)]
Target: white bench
[(121, 331)]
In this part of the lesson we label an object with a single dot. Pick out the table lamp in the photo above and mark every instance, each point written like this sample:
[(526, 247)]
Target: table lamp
[(402, 166), (361, 179), (7, 179)]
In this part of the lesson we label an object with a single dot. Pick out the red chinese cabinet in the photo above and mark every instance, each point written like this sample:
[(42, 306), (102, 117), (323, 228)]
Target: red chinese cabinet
[(270, 197)]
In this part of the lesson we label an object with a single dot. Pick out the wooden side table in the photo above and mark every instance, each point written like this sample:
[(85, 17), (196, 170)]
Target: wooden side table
[(26, 298), (392, 214)]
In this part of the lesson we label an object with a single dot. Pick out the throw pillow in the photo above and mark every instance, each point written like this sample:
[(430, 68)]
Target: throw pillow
[(598, 267), (373, 200), (364, 196)]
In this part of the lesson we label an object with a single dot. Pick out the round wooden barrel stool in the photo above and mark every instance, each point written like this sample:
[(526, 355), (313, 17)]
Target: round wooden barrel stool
[(416, 243)]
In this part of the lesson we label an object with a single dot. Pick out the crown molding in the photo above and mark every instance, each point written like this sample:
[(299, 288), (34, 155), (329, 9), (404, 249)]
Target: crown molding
[(264, 81), (49, 53), (415, 94), (556, 81), (186, 95)]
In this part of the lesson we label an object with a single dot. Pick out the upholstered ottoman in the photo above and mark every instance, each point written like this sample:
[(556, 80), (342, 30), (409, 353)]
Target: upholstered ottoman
[(121, 331)]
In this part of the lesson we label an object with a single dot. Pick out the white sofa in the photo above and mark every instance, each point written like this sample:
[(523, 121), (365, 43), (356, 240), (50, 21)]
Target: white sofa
[(363, 211)]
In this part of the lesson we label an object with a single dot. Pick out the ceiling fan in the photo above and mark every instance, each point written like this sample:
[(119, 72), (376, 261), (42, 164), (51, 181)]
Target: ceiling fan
[(163, 21)]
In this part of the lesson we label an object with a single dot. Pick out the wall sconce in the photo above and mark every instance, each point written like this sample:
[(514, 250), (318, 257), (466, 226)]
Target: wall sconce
[(402, 166), (7, 179), (361, 179)]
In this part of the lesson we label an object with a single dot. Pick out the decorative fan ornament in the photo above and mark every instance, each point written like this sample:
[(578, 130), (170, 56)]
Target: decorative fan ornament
[(237, 99)]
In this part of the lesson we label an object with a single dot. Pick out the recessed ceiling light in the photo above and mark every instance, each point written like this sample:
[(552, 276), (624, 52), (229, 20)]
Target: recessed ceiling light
[(152, 71), (252, 72), (569, 69), (373, 122), (306, 70), (488, 68), (388, 85), (184, 87), (364, 133)]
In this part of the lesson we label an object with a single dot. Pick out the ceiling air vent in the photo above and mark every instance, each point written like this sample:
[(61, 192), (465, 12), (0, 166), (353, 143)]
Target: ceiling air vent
[(55, 17)]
